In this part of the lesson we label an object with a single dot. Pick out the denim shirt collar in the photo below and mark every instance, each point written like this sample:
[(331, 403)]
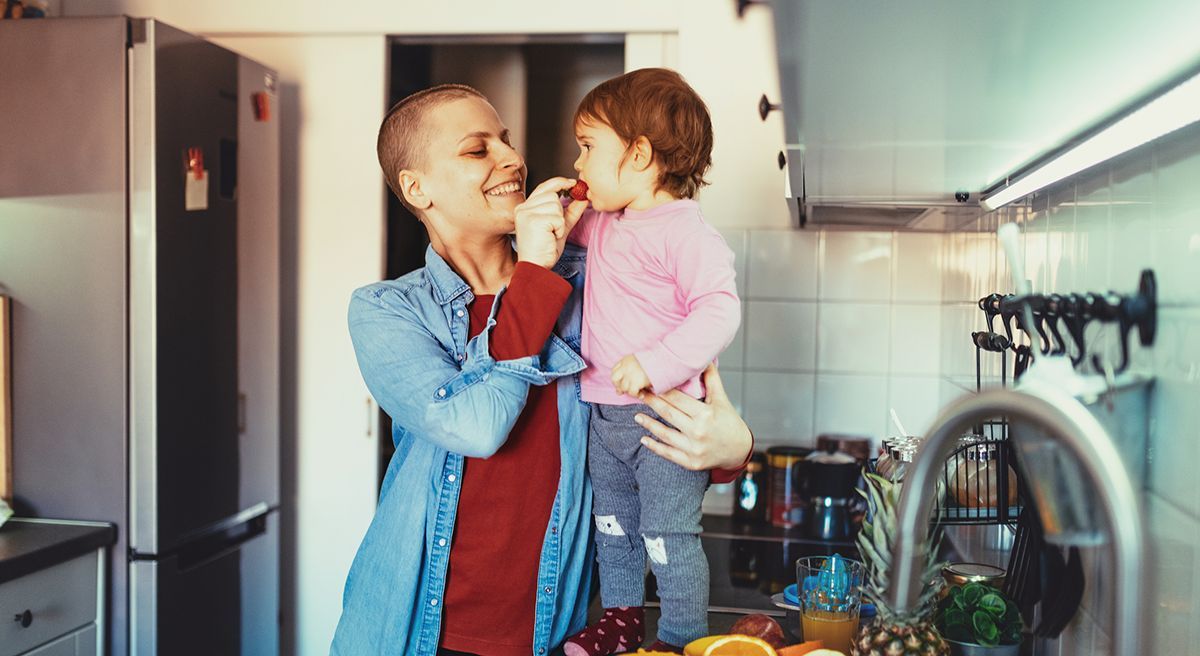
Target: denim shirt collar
[(448, 285)]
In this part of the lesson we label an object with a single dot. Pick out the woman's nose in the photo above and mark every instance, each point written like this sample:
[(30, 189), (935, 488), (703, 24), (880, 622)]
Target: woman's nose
[(511, 159)]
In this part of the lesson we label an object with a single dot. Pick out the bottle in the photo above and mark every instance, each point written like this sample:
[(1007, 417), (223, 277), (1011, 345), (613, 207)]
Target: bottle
[(749, 491)]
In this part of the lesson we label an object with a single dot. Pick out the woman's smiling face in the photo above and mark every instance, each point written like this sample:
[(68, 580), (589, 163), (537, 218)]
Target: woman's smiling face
[(472, 174)]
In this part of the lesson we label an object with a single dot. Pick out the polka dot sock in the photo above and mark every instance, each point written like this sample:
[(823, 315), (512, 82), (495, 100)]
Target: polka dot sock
[(618, 630)]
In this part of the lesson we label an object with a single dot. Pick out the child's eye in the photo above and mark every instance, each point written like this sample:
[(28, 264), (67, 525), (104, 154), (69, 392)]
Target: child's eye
[(477, 153)]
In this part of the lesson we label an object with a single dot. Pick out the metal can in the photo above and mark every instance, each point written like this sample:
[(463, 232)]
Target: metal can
[(787, 507)]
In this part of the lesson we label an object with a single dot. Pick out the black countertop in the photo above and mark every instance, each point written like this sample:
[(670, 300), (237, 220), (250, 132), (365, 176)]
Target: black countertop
[(29, 545)]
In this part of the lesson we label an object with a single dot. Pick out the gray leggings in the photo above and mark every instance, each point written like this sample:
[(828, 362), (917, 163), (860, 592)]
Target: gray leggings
[(647, 505)]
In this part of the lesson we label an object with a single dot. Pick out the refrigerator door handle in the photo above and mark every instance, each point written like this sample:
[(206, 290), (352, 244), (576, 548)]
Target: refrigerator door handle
[(214, 545)]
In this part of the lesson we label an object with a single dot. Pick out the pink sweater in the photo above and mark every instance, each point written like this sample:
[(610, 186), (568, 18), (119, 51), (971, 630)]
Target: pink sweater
[(660, 285)]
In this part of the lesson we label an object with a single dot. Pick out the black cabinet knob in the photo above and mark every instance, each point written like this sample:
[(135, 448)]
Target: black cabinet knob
[(782, 159), (765, 107), (25, 619)]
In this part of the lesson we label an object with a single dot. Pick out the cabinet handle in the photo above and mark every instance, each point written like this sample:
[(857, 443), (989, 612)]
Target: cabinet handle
[(782, 160), (765, 107), (25, 619)]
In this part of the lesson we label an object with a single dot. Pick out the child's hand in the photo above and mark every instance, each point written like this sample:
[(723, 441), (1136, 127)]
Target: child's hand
[(628, 376)]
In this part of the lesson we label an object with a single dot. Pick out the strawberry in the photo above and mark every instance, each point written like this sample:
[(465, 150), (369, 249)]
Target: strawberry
[(579, 191)]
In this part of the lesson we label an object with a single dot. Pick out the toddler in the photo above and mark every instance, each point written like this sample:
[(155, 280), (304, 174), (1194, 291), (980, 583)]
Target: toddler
[(659, 305)]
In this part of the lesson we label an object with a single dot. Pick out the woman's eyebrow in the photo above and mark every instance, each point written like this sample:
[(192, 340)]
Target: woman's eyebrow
[(484, 135)]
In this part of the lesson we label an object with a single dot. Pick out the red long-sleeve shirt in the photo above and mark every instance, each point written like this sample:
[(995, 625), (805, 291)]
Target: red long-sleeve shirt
[(505, 501)]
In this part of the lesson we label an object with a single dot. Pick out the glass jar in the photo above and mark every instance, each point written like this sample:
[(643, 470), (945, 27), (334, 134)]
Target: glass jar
[(750, 491), (976, 484)]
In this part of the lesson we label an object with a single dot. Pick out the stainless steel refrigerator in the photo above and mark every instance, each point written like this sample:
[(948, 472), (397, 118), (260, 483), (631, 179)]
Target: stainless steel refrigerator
[(139, 243)]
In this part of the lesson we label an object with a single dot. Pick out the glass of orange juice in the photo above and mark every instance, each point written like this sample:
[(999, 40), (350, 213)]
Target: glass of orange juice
[(829, 588)]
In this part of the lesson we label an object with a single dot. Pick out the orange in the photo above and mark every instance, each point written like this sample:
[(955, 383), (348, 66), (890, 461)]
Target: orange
[(739, 645), (801, 649)]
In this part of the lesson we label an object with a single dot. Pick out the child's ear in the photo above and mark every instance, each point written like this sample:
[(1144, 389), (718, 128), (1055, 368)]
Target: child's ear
[(410, 186), (642, 154)]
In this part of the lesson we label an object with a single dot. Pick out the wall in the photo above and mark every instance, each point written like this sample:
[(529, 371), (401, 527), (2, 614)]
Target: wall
[(838, 327)]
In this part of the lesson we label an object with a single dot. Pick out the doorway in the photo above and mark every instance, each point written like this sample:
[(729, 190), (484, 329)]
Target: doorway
[(535, 83)]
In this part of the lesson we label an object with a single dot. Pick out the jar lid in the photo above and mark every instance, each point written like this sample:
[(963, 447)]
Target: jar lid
[(906, 453), (974, 571), (982, 452)]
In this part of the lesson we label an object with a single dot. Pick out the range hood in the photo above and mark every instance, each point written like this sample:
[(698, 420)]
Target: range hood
[(901, 114)]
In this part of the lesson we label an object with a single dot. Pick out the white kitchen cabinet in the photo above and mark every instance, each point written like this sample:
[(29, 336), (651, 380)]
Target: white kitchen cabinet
[(56, 610), (731, 64)]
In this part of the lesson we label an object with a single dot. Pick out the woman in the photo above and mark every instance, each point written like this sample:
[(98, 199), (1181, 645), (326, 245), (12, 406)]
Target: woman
[(480, 542)]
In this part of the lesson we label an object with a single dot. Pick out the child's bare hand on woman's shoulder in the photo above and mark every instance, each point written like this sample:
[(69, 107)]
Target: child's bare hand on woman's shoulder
[(628, 376)]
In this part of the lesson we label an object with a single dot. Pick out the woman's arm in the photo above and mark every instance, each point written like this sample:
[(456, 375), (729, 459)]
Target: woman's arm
[(467, 407), (708, 434)]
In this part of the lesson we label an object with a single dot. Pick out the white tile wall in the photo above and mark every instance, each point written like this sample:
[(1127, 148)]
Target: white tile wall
[(782, 264), (781, 335), (854, 337), (856, 266), (851, 404), (829, 319), (918, 267), (779, 407)]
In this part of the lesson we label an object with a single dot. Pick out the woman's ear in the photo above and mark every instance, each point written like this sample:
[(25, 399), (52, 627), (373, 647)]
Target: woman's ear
[(641, 154), (410, 186)]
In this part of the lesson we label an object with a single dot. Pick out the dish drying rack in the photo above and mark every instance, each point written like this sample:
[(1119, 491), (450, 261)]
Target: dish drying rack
[(994, 490)]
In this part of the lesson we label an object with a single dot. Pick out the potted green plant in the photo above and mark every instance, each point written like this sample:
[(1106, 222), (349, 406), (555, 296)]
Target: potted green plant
[(978, 620)]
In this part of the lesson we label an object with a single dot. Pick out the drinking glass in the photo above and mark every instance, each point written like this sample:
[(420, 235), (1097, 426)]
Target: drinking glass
[(829, 588)]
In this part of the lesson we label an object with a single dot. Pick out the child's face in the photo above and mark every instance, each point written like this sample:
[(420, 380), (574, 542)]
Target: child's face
[(603, 165)]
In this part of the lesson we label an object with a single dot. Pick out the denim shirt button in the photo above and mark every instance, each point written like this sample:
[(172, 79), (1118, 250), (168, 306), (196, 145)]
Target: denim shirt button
[(442, 392), (433, 602), (451, 478), (553, 530), (459, 313), (546, 589), (461, 357), (442, 542), (541, 650)]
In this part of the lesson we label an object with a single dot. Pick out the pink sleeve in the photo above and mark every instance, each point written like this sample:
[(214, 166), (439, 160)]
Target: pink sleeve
[(703, 268), (581, 234)]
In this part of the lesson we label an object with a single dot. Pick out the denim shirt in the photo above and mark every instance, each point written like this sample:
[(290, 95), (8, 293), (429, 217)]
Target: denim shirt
[(448, 399)]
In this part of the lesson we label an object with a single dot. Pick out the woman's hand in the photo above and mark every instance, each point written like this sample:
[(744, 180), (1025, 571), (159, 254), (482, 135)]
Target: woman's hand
[(542, 224), (708, 434)]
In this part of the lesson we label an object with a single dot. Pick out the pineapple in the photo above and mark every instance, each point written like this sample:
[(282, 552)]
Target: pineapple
[(893, 633)]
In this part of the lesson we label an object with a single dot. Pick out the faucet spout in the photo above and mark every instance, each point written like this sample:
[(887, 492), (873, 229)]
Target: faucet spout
[(1073, 427)]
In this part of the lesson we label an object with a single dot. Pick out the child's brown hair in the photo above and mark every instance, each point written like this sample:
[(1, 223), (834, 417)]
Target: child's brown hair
[(658, 104)]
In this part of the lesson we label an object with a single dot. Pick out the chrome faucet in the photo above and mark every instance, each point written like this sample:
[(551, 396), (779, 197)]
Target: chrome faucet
[(1073, 427)]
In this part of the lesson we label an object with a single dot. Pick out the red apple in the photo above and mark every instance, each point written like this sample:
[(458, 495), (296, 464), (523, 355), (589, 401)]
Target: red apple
[(760, 626)]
